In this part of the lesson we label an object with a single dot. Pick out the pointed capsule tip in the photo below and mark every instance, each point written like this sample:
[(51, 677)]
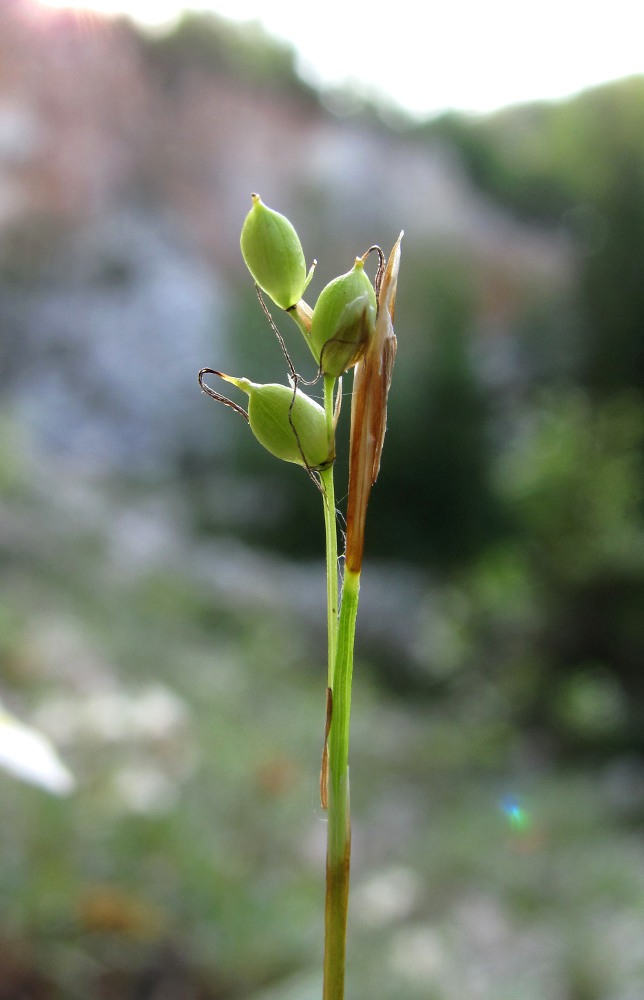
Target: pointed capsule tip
[(229, 378), (242, 383)]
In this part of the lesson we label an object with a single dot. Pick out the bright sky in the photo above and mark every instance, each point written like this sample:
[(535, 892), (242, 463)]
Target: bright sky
[(472, 55)]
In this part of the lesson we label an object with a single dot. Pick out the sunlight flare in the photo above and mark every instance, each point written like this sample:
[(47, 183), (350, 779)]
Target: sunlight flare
[(143, 11)]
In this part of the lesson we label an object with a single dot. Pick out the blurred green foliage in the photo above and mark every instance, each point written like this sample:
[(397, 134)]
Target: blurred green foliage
[(553, 474), (578, 163), (555, 608), (202, 41), (438, 508), (190, 859)]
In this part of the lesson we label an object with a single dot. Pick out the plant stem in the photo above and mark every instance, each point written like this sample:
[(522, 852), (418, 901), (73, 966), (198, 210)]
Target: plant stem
[(339, 823), (331, 532), (341, 633)]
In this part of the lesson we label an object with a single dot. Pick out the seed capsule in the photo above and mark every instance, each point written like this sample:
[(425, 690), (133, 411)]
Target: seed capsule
[(343, 320), (273, 254), (291, 426)]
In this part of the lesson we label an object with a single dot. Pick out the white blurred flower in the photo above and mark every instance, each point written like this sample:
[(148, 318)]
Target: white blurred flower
[(114, 716), (144, 788), (27, 754), (418, 954), (388, 896), (157, 712)]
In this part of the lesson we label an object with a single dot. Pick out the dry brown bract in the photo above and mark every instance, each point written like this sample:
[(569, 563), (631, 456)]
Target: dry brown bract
[(369, 412)]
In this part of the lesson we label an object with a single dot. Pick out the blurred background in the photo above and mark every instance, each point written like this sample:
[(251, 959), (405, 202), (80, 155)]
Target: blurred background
[(162, 584)]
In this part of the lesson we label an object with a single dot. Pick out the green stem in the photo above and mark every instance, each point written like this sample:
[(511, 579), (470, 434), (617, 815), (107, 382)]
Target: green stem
[(341, 634), (339, 823), (331, 532)]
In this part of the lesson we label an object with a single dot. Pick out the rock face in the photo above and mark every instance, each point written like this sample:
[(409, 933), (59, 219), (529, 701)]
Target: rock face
[(92, 114), (110, 354), (125, 172)]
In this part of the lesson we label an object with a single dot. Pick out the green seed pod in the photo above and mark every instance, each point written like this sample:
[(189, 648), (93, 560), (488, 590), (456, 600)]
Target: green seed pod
[(343, 320), (293, 429), (273, 254)]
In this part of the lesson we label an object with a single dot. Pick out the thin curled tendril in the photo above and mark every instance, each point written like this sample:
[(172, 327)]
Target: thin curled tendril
[(381, 266), (217, 395)]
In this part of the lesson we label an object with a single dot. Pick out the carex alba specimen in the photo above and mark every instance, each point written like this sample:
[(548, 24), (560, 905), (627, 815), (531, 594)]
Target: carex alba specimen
[(349, 327)]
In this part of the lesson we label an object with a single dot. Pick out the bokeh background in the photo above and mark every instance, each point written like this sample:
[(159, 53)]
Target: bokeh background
[(162, 588)]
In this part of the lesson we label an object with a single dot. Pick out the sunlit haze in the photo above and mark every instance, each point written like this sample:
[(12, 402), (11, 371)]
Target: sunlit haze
[(464, 54)]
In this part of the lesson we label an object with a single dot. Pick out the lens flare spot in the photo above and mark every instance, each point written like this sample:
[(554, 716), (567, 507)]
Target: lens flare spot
[(95, 6), (146, 12), (516, 814)]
